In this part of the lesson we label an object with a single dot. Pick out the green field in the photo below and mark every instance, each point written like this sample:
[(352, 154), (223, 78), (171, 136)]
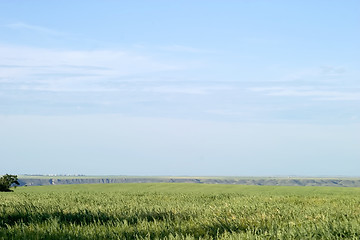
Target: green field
[(179, 211)]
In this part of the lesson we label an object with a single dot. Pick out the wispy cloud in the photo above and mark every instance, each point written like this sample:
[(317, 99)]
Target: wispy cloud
[(40, 29), (327, 94), (197, 90), (42, 68), (332, 70), (321, 73), (181, 48)]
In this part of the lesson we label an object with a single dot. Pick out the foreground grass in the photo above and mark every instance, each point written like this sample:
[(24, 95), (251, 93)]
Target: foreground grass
[(179, 211)]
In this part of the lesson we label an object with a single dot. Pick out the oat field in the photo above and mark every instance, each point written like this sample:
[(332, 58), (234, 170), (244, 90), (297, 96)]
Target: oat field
[(179, 211)]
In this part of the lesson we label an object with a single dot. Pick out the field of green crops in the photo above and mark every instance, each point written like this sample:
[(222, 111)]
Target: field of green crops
[(179, 211)]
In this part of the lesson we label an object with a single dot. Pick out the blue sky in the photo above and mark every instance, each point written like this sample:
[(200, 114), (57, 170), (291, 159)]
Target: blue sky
[(241, 88)]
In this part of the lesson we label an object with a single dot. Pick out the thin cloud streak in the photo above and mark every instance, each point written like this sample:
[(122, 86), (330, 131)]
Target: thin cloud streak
[(187, 49), (80, 68), (40, 29), (314, 93)]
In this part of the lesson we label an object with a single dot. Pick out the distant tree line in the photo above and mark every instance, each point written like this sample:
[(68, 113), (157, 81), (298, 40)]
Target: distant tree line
[(7, 181)]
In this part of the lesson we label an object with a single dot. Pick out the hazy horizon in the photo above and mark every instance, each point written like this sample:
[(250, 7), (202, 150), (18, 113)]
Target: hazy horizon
[(190, 88)]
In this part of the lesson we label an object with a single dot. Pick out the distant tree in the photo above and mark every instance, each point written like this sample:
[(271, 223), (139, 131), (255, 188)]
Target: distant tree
[(8, 181)]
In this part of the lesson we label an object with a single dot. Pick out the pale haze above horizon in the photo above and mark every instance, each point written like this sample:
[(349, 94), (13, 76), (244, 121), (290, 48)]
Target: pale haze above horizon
[(198, 88)]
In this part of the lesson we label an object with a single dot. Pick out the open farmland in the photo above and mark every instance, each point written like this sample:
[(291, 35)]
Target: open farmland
[(179, 211)]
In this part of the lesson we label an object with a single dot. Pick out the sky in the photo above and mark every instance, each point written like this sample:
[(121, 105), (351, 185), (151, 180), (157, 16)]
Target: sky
[(184, 88)]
